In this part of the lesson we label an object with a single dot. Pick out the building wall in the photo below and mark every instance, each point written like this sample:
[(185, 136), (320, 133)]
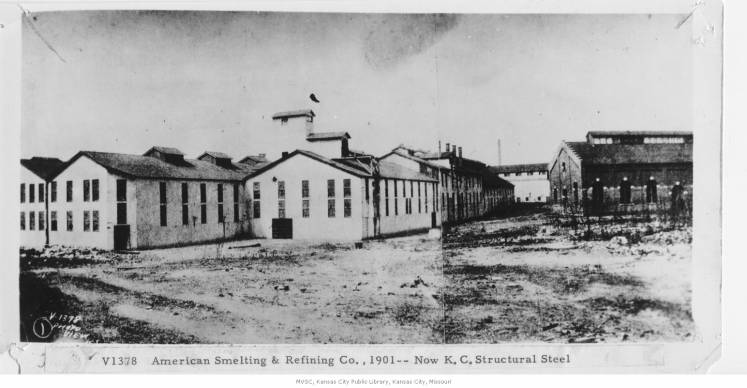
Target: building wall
[(150, 233), (400, 221), (35, 238), (80, 170), (564, 179), (529, 188), (318, 226)]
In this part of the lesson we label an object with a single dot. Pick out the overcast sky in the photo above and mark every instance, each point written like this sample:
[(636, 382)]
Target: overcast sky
[(124, 81)]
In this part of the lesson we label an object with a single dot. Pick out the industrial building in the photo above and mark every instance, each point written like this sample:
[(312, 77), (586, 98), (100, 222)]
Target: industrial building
[(530, 181), (467, 187), (124, 201), (623, 171)]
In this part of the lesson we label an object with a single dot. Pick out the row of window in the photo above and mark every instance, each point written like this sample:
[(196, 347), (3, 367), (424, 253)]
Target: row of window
[(36, 221), (597, 191), (529, 173), (408, 200), (90, 191), (163, 200)]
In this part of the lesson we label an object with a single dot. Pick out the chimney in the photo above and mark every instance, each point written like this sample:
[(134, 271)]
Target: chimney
[(285, 154), (454, 149), (309, 125), (448, 147), (460, 152), (439, 146), (263, 155), (499, 153)]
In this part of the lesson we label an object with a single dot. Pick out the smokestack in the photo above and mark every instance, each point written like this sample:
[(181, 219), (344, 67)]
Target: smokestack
[(460, 152), (448, 147), (439, 146), (499, 153)]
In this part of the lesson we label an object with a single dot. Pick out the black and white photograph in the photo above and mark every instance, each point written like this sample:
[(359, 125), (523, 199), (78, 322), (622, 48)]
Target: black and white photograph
[(212, 177)]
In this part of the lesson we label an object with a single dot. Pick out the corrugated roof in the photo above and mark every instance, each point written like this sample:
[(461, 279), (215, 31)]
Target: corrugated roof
[(319, 136), (293, 113), (632, 153), (513, 168), (138, 166), (44, 168)]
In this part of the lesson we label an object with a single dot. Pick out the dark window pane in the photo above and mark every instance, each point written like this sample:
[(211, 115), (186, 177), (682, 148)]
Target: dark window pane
[(69, 221), (53, 192), (162, 192), (220, 213), (23, 193), (95, 220), (203, 214), (95, 190), (347, 209), (53, 220), (255, 208), (220, 192), (331, 188), (121, 213), (32, 220), (41, 192), (185, 214), (185, 192), (203, 192), (121, 190), (23, 220), (236, 212), (163, 215), (86, 190), (86, 221), (330, 208)]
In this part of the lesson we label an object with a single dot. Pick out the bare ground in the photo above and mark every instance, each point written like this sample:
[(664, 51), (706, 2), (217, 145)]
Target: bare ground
[(523, 278)]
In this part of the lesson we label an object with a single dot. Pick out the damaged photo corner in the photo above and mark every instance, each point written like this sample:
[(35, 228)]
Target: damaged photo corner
[(344, 191)]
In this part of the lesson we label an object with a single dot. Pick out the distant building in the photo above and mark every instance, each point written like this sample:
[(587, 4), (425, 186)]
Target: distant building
[(530, 181), (467, 187), (36, 192), (124, 201), (623, 171)]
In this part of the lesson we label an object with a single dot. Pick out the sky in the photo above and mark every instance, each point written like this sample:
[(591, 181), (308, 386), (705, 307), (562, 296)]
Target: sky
[(123, 81)]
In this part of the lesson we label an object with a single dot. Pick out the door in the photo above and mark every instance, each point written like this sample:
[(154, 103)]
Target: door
[(121, 237), (282, 228)]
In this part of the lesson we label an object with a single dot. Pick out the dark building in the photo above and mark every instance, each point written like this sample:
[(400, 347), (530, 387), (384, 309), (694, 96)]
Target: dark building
[(623, 171)]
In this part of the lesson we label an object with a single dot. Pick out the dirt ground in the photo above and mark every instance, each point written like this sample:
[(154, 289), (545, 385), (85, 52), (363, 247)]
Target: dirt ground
[(524, 278)]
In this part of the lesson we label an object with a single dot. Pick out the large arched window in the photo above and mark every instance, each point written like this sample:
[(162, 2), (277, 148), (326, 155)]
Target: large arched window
[(651, 193), (625, 191)]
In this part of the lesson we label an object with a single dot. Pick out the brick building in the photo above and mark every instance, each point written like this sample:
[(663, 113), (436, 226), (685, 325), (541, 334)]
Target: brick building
[(620, 171)]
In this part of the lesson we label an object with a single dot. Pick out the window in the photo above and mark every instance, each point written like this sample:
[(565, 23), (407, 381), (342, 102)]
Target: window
[(625, 191), (330, 208), (86, 190), (121, 190), (32, 193), (121, 213), (53, 191), (575, 192), (23, 220), (41, 192), (203, 203), (305, 208), (256, 191), (53, 220), (86, 221), (69, 220), (220, 203), (95, 190), (41, 220), (32, 220), (386, 197), (255, 208), (331, 198), (69, 191), (425, 199), (281, 189), (420, 209), (304, 199), (162, 200), (347, 202), (23, 194), (331, 188), (563, 167), (95, 220), (281, 208), (396, 200), (235, 202), (651, 192), (367, 195), (185, 203)]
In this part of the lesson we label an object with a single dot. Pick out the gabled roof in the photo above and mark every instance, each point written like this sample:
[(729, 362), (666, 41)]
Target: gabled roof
[(490, 180), (164, 150), (215, 154), (293, 113), (352, 166), (321, 136), (632, 153), (314, 156), (44, 168), (513, 168), (399, 152), (146, 167)]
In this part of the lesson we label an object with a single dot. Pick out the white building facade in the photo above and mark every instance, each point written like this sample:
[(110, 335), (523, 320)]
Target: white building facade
[(531, 182)]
